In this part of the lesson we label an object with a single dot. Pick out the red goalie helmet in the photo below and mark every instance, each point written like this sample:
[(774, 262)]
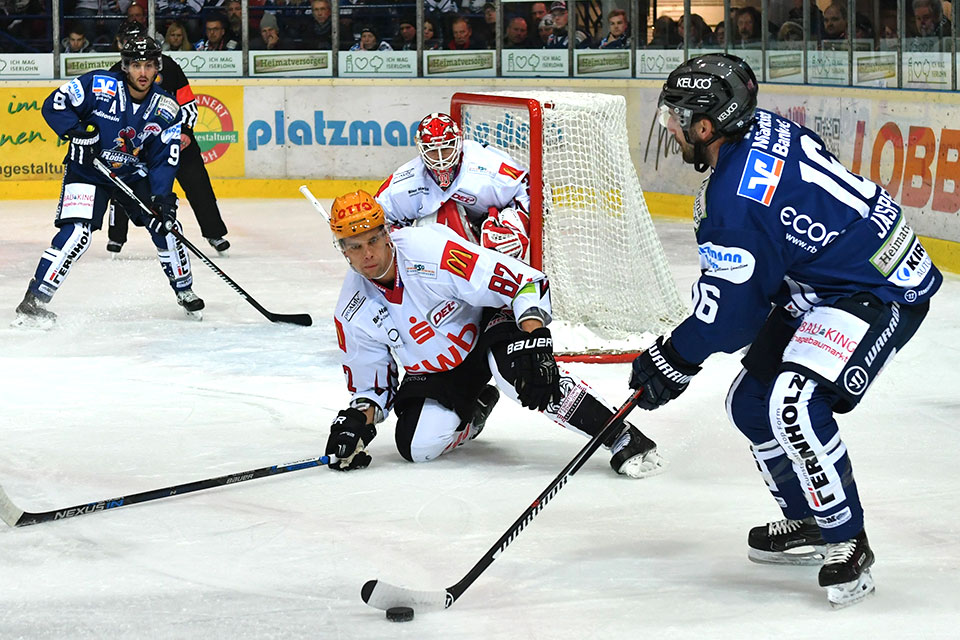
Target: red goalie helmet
[(441, 147)]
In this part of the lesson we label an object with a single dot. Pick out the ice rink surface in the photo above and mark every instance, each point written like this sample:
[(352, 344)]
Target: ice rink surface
[(126, 394)]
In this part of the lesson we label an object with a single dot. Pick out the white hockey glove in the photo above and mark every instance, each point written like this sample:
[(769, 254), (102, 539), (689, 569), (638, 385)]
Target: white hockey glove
[(506, 231)]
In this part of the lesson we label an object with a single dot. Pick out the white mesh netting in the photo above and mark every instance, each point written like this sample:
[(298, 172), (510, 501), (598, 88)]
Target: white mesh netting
[(610, 279)]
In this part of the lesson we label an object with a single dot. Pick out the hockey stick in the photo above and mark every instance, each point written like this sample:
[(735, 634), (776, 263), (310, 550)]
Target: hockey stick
[(17, 517), (383, 595), (313, 200), (302, 319)]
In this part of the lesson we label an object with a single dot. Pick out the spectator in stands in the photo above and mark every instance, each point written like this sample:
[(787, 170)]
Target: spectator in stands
[(269, 39), (369, 41), (25, 33), (929, 19), (560, 37), (488, 33), (178, 8), (666, 34), (700, 34), (176, 38), (234, 15), (320, 33), (545, 30), (719, 32), (76, 40), (537, 11), (790, 35), (441, 13), (835, 21), (462, 36), (816, 18), (619, 35), (431, 38), (216, 27), (406, 39), (516, 35), (865, 29), (748, 26)]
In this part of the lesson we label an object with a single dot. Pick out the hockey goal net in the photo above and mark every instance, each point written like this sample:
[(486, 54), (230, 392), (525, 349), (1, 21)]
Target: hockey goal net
[(591, 231)]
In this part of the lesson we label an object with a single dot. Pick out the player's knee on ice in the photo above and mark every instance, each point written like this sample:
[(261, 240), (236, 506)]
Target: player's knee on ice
[(426, 429)]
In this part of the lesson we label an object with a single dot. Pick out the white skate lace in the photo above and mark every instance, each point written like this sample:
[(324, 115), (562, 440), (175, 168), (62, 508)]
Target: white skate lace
[(840, 552), (186, 296), (784, 526)]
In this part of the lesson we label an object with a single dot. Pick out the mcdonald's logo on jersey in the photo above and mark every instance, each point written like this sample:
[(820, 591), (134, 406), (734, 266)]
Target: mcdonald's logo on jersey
[(458, 260), (761, 175), (510, 172)]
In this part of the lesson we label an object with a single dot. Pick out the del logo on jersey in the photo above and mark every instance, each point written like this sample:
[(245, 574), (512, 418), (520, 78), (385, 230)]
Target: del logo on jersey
[(761, 175)]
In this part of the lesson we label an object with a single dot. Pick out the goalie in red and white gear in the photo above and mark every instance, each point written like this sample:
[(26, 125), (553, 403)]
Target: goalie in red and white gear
[(478, 191), (453, 315)]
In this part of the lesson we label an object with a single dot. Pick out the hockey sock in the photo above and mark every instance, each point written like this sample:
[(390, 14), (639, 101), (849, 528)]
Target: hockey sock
[(777, 471), (66, 248), (174, 259)]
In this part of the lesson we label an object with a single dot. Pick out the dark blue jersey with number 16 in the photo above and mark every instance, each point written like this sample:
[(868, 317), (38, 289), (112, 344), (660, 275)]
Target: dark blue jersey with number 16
[(781, 221)]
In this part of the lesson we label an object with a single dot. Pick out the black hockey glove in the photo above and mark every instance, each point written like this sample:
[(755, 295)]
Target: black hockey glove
[(165, 208), (349, 436), (662, 373), (84, 144), (536, 378)]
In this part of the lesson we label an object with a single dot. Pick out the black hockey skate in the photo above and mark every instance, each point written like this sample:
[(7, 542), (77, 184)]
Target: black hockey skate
[(32, 312), (635, 455), (114, 247), (191, 303), (220, 244), (796, 542), (486, 401), (846, 571)]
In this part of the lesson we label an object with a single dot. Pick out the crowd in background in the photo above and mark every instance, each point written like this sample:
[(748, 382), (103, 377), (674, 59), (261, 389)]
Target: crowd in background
[(371, 25)]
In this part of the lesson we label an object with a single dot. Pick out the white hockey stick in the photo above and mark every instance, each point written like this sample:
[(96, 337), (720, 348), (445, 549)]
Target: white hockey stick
[(313, 200)]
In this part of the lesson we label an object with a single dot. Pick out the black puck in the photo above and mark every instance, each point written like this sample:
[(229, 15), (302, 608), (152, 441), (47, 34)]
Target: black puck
[(399, 614)]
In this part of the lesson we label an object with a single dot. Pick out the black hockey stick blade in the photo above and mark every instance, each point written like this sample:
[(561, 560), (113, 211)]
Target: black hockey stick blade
[(17, 517), (383, 595), (301, 319)]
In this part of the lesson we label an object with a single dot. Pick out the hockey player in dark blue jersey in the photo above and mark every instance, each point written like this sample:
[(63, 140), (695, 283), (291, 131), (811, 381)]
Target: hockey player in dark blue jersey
[(133, 125), (817, 270)]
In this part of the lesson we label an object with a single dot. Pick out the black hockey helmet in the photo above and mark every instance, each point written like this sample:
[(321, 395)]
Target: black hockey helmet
[(718, 86), (140, 48)]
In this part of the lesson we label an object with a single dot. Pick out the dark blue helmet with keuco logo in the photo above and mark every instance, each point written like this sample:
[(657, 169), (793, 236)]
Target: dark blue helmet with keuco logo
[(718, 86)]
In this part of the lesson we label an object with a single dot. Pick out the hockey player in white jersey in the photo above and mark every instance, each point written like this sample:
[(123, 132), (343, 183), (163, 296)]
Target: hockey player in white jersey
[(478, 191), (453, 315)]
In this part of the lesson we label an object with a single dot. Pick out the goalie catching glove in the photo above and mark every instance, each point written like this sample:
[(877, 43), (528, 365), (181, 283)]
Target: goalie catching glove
[(506, 231), (662, 373), (536, 377), (349, 436)]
